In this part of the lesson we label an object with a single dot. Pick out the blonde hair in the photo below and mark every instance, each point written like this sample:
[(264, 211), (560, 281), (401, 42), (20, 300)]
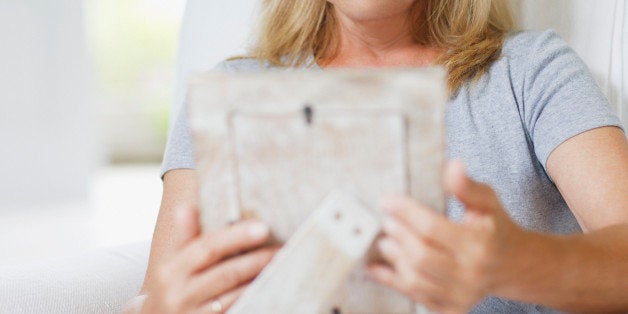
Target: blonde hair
[(471, 32)]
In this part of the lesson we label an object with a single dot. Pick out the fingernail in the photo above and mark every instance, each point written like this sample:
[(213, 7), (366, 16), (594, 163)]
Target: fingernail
[(258, 230)]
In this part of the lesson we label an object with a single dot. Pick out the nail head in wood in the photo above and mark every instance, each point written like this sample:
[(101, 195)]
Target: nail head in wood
[(308, 112)]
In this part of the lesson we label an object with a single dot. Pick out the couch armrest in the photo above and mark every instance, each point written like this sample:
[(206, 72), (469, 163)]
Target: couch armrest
[(100, 281)]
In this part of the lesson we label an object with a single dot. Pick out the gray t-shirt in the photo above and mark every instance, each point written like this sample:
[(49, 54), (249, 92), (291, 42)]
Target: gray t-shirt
[(504, 128)]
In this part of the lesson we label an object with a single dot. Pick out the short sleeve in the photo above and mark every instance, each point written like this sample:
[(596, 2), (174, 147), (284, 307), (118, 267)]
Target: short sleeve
[(179, 153), (560, 96)]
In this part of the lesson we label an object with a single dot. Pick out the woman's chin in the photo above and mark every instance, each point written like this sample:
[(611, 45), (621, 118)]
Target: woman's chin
[(371, 10)]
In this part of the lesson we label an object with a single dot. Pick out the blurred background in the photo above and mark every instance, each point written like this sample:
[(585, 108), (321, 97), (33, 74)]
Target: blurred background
[(87, 88)]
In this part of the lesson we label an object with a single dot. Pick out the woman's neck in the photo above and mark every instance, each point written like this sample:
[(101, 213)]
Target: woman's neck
[(383, 42)]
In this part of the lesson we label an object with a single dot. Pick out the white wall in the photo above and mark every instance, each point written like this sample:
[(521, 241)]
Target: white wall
[(47, 130), (596, 30), (211, 31)]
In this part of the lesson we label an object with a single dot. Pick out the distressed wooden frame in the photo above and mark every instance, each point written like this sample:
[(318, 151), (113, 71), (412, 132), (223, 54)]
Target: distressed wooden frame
[(272, 144)]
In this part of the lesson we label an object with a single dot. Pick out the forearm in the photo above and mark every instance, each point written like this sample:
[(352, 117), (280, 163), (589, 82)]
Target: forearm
[(162, 239), (581, 273), (180, 189)]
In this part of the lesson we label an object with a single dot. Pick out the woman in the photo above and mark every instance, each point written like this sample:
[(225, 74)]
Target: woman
[(526, 118)]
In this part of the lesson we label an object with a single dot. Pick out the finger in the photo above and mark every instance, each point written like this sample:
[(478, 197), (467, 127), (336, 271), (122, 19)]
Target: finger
[(433, 260), (186, 226), (223, 303), (215, 246), (390, 251), (430, 261), (382, 273), (423, 221), (412, 280), (477, 197), (387, 276), (411, 277), (227, 275), (231, 297)]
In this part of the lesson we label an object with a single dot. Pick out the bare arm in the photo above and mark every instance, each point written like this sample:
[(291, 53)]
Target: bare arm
[(586, 272), (179, 190), (591, 172), (190, 271), (450, 266)]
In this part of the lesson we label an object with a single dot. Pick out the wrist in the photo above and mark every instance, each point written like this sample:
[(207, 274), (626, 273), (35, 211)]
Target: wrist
[(512, 260), (534, 267)]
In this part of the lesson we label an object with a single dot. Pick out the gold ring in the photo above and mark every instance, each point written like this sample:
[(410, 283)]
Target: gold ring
[(216, 306)]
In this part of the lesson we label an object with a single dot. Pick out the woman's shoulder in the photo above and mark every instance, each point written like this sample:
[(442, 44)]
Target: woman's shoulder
[(241, 64), (528, 56), (530, 45), (247, 64)]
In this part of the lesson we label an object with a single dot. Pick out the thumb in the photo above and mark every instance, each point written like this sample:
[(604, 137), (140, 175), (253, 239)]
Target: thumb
[(186, 225), (475, 196)]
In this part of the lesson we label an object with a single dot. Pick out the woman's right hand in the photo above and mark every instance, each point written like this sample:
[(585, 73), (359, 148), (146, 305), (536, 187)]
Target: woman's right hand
[(206, 273)]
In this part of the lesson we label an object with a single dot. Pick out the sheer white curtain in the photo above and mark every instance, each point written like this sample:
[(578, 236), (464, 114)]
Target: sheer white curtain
[(46, 127), (211, 31), (597, 30)]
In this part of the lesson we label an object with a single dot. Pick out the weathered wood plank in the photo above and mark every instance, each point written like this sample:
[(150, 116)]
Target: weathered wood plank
[(273, 145), (315, 262)]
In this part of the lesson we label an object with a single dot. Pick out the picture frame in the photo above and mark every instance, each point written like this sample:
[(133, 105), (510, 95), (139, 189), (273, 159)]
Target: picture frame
[(271, 145)]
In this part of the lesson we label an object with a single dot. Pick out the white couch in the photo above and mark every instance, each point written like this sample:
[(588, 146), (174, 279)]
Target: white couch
[(102, 281)]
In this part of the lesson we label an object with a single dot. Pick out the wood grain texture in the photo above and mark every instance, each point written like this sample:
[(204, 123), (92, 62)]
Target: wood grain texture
[(328, 244), (272, 145)]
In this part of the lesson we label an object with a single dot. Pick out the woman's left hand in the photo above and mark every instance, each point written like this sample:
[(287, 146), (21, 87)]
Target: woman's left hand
[(445, 265)]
